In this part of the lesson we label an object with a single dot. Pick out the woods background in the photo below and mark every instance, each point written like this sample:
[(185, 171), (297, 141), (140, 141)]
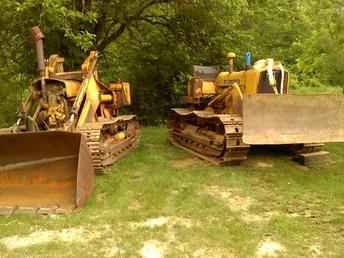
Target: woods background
[(154, 43)]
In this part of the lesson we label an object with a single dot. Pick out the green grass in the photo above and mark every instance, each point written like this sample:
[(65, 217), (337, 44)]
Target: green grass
[(213, 211), (317, 90)]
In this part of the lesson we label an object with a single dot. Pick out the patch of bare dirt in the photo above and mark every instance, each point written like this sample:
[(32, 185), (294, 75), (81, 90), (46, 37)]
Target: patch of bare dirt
[(44, 237), (163, 221), (301, 167), (269, 248), (67, 235), (188, 223), (174, 192), (134, 205), (155, 222), (264, 164), (239, 203), (230, 197), (186, 162), (262, 217), (153, 249), (315, 251), (112, 251), (293, 215)]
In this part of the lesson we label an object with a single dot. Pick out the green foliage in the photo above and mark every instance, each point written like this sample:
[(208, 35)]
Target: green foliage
[(7, 105), (154, 43), (157, 57), (322, 59)]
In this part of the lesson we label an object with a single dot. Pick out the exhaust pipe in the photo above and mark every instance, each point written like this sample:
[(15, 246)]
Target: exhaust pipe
[(38, 36)]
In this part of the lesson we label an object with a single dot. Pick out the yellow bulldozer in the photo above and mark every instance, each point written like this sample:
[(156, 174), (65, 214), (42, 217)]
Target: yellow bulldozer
[(69, 127), (228, 112)]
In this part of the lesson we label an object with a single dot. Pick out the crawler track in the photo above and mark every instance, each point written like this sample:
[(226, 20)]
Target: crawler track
[(105, 154), (215, 138)]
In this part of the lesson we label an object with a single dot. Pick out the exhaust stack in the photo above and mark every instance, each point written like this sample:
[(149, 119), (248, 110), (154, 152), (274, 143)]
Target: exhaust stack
[(38, 37)]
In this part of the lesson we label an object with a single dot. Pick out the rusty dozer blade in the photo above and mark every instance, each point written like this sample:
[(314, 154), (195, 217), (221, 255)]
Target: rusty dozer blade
[(293, 119), (44, 172)]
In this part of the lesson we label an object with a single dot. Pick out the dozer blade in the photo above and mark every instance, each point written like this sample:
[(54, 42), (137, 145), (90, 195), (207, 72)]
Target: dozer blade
[(44, 172), (293, 119)]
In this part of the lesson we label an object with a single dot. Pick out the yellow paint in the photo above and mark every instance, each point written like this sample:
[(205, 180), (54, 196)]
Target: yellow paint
[(248, 80), (92, 102), (106, 98), (125, 88), (120, 136), (208, 88), (88, 99), (72, 88), (86, 114), (55, 64)]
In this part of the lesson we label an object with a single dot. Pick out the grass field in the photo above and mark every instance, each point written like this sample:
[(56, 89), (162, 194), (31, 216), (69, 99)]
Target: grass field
[(162, 202), (317, 90)]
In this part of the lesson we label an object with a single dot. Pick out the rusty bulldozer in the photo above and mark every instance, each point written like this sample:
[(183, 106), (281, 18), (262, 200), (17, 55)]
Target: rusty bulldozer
[(69, 127), (228, 112)]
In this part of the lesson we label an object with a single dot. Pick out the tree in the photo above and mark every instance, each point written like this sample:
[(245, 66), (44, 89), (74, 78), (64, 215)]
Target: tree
[(154, 43), (322, 58)]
